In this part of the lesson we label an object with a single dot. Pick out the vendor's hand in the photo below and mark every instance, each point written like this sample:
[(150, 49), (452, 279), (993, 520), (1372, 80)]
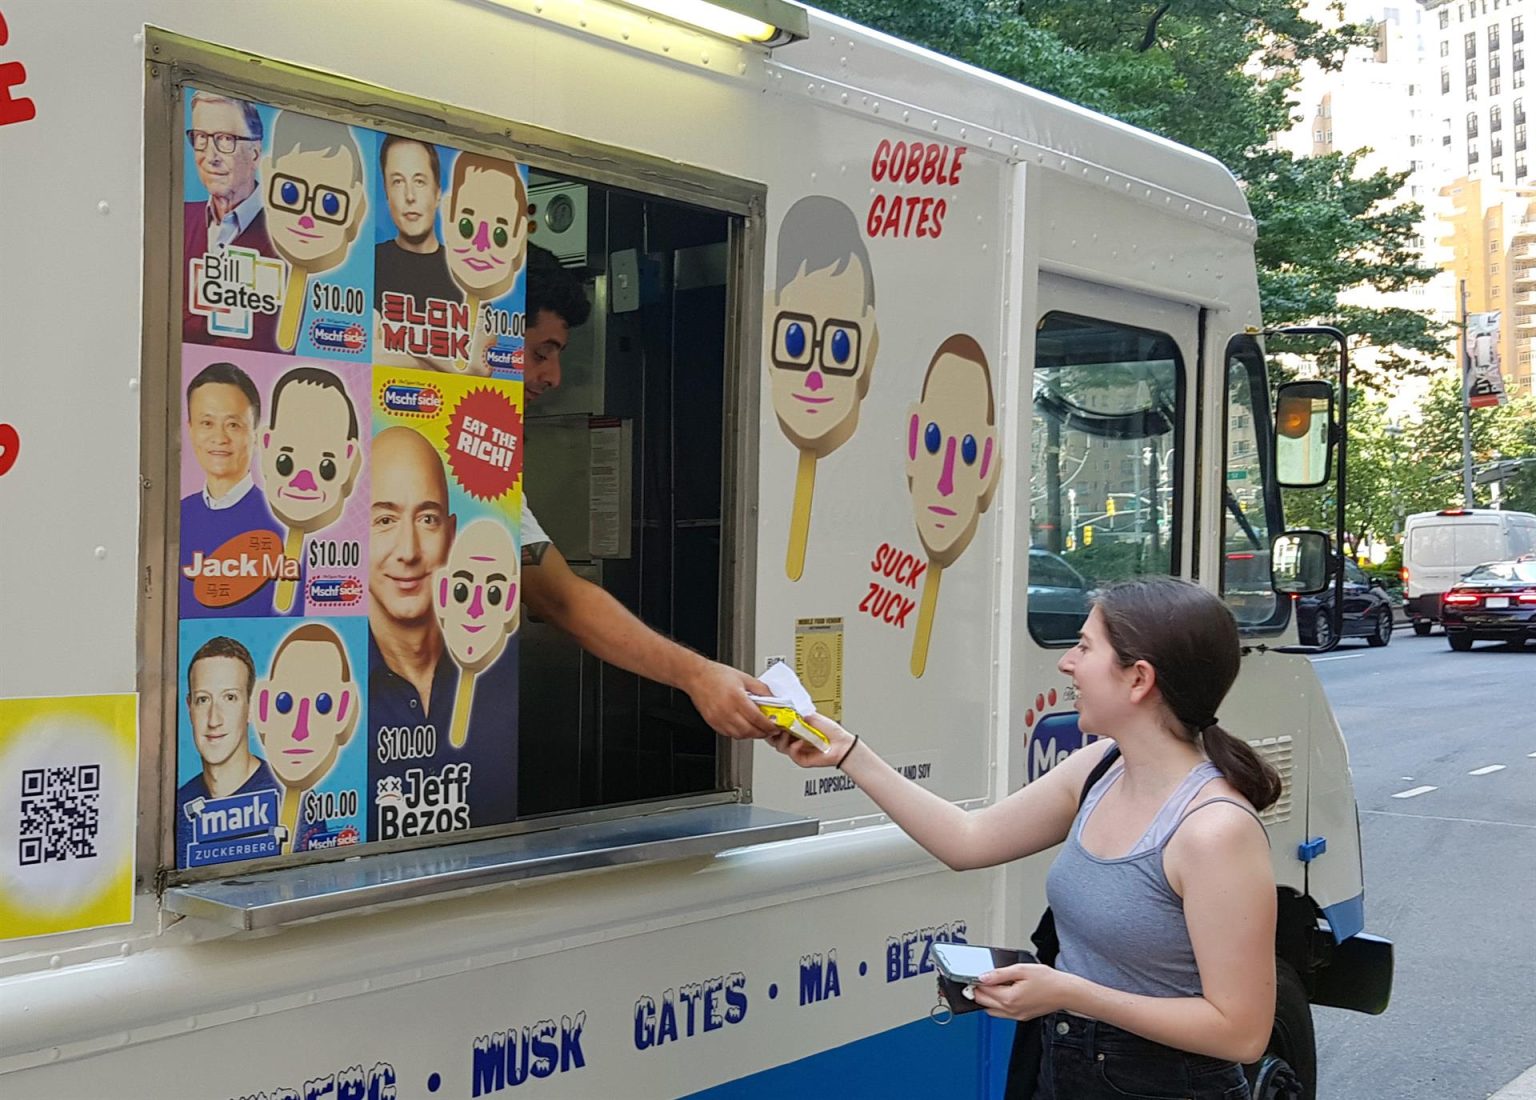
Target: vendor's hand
[(1020, 992), (720, 694), (811, 756)]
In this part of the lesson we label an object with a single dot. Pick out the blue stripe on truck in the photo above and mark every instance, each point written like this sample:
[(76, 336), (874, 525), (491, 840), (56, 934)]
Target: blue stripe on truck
[(968, 1057)]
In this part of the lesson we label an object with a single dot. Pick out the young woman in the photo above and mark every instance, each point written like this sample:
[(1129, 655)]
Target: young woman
[(1163, 894)]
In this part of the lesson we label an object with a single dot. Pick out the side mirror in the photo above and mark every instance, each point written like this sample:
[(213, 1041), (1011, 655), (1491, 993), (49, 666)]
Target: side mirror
[(1304, 434), (1376, 583), (1300, 563)]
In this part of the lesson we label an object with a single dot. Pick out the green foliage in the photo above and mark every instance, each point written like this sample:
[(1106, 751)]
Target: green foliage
[(1108, 559), (1218, 77)]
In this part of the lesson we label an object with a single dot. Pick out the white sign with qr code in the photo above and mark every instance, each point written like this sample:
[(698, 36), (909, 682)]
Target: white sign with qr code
[(68, 785)]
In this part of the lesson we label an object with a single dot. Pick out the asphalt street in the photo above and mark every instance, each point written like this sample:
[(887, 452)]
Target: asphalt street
[(1443, 753)]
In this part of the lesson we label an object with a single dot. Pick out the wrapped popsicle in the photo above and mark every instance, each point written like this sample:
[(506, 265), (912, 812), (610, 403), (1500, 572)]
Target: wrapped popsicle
[(315, 201), (788, 704), (952, 466), (475, 596)]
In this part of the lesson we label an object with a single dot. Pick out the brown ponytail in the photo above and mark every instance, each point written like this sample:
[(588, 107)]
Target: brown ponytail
[(1190, 639), (1254, 777)]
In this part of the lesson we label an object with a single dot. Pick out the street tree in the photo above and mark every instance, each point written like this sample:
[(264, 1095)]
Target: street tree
[(1220, 78)]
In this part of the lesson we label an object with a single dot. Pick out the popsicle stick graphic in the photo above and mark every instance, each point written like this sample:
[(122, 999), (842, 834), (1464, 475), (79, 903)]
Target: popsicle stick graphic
[(472, 305), (314, 201), (925, 610), (952, 467), (475, 598), (800, 519), (292, 311), (288, 816), (293, 548)]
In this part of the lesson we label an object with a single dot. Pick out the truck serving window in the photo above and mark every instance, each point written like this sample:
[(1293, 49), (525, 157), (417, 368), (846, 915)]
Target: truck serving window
[(1249, 501), (424, 389), (1105, 446)]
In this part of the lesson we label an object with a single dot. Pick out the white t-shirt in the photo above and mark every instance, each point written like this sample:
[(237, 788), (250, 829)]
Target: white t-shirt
[(532, 531)]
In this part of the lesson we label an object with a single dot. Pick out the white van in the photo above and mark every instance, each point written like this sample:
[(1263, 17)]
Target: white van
[(1439, 548)]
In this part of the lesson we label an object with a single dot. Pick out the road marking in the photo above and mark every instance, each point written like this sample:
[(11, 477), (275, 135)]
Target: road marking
[(1415, 792), (1488, 770), (1337, 657), (1532, 755), (1456, 820)]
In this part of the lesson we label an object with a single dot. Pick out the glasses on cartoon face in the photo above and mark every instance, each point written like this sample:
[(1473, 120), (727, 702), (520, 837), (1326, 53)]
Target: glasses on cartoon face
[(327, 204), (223, 141), (800, 342)]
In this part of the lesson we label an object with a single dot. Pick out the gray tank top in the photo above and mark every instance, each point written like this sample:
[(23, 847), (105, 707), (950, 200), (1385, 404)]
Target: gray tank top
[(1120, 923)]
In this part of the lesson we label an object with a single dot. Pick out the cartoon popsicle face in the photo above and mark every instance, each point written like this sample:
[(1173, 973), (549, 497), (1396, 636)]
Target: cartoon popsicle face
[(485, 226), (952, 459), (313, 191), (821, 325), (308, 707), (476, 594), (310, 452)]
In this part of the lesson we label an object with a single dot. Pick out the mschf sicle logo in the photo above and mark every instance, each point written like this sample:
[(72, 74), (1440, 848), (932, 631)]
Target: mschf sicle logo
[(411, 399)]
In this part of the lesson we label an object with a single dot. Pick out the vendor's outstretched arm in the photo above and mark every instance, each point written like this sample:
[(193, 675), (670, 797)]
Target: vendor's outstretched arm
[(607, 629)]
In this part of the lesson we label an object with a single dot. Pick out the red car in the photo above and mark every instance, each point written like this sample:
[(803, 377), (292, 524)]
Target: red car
[(1494, 602)]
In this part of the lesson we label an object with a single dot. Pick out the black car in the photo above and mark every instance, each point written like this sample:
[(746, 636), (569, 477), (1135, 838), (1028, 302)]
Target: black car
[(1495, 602), (1367, 611)]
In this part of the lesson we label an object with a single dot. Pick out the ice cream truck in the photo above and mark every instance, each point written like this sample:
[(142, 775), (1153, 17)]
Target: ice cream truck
[(890, 363)]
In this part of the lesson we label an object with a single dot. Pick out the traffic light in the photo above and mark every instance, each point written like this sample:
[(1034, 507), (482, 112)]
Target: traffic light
[(1109, 506), (1087, 534)]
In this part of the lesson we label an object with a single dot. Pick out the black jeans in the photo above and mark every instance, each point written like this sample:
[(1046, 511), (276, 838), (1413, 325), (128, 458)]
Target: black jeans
[(1089, 1060)]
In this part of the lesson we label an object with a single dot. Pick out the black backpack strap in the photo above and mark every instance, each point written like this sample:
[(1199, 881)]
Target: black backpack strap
[(1099, 770)]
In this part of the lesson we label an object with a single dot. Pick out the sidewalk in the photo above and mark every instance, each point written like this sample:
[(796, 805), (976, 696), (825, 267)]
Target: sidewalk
[(1521, 1088)]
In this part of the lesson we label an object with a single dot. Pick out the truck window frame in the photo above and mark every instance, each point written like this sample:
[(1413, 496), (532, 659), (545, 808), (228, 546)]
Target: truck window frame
[(1243, 351), (173, 62)]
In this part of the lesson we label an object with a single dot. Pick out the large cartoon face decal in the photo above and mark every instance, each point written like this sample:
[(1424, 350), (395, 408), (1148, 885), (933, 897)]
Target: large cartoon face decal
[(312, 190), (821, 325), (310, 455), (952, 460), (485, 226), (307, 709), (823, 343), (476, 594)]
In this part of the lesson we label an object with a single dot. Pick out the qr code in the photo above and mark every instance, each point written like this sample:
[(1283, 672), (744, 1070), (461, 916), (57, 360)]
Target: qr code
[(60, 813)]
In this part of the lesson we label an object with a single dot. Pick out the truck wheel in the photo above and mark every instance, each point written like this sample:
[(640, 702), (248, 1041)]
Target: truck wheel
[(1421, 627), (1461, 641), (1288, 1070)]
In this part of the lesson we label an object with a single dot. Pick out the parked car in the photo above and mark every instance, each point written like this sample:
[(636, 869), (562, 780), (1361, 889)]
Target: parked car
[(1440, 547), (1058, 598), (1495, 602), (1367, 611)]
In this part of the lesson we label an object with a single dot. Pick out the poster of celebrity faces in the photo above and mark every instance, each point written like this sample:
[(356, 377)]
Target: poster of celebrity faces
[(277, 220), (268, 761), (444, 592), (274, 485), (449, 254)]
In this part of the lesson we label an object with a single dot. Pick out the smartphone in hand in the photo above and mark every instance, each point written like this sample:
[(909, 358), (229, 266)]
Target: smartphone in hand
[(965, 962)]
